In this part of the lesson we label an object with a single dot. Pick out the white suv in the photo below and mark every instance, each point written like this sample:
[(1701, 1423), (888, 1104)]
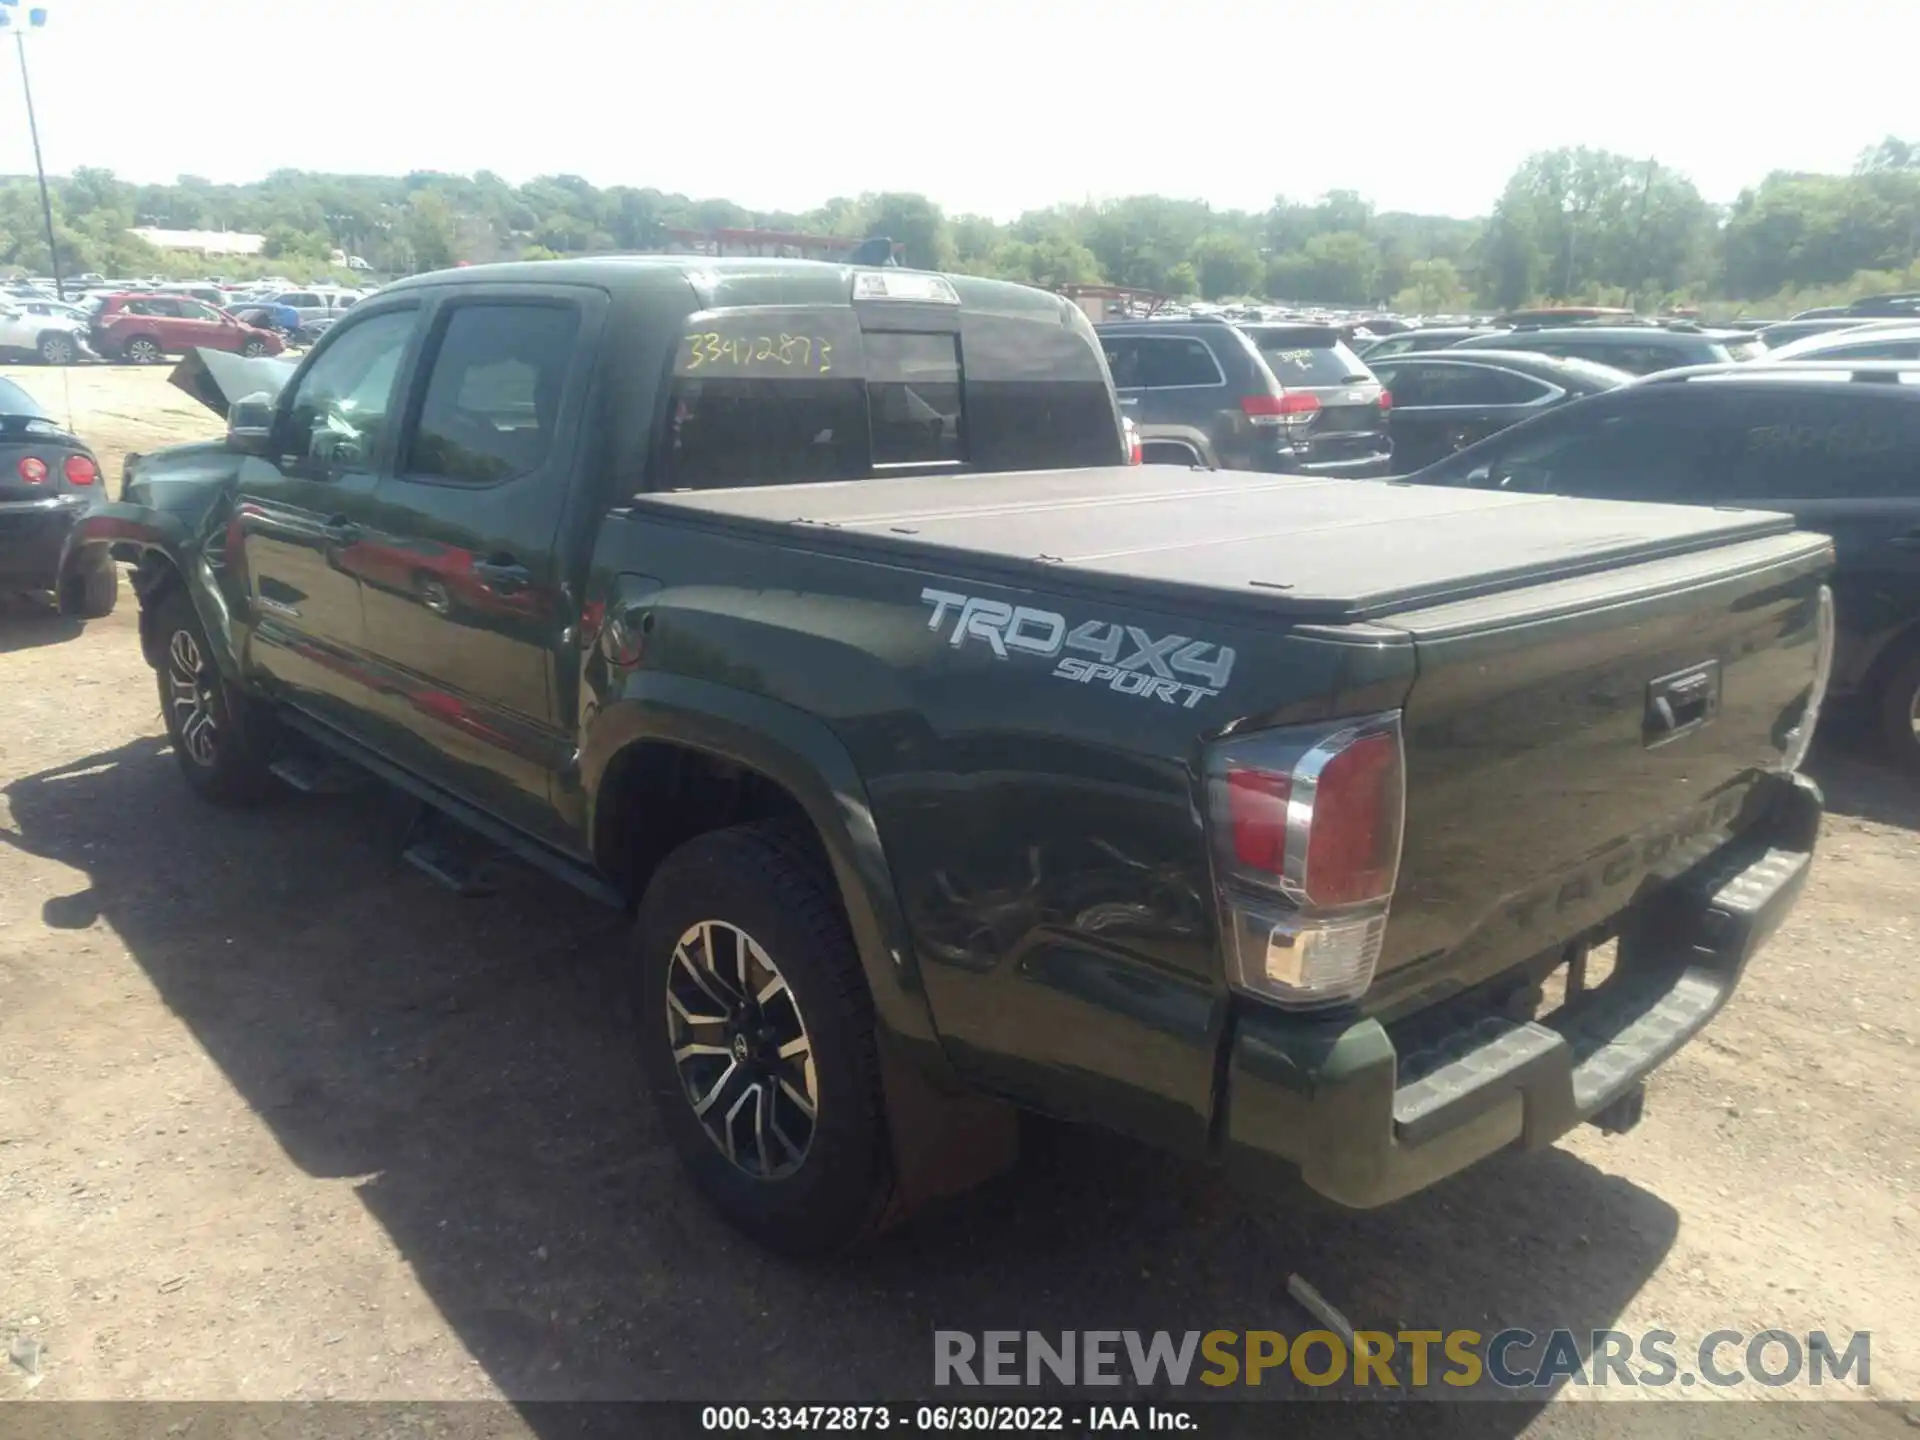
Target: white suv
[(55, 333)]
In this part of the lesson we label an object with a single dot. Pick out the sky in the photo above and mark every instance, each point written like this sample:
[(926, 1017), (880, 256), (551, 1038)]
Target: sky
[(987, 106)]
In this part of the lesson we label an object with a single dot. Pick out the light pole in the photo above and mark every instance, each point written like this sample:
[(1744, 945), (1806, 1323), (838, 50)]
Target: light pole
[(36, 19)]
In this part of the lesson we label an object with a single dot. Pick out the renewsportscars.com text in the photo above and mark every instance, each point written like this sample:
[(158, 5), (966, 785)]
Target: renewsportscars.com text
[(1406, 1360)]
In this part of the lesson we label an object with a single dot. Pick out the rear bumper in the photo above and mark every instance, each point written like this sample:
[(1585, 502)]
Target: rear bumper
[(32, 536), (1365, 1124)]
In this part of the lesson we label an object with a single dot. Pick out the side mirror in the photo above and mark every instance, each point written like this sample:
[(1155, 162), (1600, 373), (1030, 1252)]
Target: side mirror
[(250, 424)]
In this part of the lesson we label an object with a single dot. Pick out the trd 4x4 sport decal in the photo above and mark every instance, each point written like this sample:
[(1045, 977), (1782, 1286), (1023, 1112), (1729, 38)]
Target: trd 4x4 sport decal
[(1124, 658)]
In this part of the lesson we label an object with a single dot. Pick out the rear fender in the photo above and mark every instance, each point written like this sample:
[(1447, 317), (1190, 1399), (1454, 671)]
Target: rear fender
[(943, 1139)]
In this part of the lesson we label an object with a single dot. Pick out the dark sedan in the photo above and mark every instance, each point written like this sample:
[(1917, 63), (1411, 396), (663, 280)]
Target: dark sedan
[(1427, 337), (47, 476), (1447, 399)]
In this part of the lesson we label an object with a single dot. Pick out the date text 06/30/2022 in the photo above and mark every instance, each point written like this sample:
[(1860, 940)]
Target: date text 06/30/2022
[(925, 1419)]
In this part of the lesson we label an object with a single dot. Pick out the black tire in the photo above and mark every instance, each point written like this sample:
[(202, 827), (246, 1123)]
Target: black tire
[(90, 594), (221, 740), (253, 349), (1900, 711), (768, 881), (142, 350), (57, 348)]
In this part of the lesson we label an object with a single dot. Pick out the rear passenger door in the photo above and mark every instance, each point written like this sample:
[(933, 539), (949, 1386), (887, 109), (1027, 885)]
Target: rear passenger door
[(467, 599), (1843, 461), (1174, 389)]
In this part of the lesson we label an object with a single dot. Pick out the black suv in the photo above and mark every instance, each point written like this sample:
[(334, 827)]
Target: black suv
[(1637, 349), (1282, 398), (1842, 457)]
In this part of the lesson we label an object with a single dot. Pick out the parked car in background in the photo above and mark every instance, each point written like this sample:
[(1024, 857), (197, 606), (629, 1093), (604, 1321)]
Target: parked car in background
[(1785, 332), (1427, 337), (316, 304), (1901, 305), (1445, 400), (47, 476), (1843, 458), (1566, 315), (1878, 342), (1637, 349), (44, 329), (1203, 393), (146, 328)]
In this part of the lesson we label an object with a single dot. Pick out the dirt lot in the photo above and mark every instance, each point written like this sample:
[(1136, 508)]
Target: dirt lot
[(279, 1119)]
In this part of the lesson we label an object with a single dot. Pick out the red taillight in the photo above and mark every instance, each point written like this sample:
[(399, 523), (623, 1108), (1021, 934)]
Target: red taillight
[(1353, 845), (1257, 808), (1306, 824), (80, 470), (1278, 407), (32, 469), (1386, 399)]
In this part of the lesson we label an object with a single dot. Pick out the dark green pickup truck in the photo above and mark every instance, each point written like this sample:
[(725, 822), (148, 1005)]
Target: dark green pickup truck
[(953, 765)]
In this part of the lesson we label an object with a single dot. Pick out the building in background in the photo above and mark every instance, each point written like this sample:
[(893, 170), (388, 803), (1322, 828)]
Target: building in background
[(201, 242)]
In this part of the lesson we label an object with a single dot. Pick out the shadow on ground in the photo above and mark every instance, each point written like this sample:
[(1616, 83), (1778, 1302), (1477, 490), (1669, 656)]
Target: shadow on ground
[(28, 622), (1857, 778), (472, 1059)]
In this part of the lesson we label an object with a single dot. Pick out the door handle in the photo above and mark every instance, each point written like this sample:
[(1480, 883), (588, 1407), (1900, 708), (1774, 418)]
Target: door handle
[(340, 531), (503, 575)]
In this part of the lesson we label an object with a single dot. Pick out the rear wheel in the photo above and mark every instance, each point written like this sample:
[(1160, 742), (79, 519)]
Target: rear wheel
[(57, 349), (221, 740), (757, 1038), (143, 350), (90, 594), (1900, 711)]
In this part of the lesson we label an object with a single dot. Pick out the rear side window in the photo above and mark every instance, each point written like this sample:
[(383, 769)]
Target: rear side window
[(1850, 443), (1650, 451), (1416, 383), (1160, 362), (1308, 356), (493, 397)]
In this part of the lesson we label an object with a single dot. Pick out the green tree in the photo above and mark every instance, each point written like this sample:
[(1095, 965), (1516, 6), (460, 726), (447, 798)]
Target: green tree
[(916, 224), (1226, 265), (1433, 287), (429, 231)]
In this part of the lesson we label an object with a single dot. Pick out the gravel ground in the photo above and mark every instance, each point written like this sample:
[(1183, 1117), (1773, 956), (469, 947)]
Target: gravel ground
[(278, 1119)]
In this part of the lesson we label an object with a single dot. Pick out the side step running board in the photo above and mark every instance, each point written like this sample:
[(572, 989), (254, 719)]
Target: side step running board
[(445, 853)]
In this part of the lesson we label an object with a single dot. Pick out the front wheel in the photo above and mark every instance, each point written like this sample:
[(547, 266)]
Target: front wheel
[(57, 349), (220, 738), (757, 1038), (1900, 711), (254, 349), (144, 350)]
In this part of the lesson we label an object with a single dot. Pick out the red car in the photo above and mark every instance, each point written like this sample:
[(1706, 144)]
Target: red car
[(147, 328)]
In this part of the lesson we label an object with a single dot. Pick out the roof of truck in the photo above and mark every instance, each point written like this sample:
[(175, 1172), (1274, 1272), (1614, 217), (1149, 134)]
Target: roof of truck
[(1305, 548), (736, 280)]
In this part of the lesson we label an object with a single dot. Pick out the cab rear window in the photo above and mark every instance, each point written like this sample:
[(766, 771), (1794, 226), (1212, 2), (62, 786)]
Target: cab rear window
[(789, 396)]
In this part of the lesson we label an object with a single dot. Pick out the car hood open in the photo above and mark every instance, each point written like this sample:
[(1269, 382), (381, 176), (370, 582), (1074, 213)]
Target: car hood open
[(217, 378)]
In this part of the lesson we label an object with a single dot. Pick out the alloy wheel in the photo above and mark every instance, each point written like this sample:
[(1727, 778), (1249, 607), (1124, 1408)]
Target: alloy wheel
[(143, 352), (742, 1050), (190, 697), (56, 350)]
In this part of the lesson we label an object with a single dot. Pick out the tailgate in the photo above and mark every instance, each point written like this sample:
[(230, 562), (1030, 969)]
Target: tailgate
[(1571, 745)]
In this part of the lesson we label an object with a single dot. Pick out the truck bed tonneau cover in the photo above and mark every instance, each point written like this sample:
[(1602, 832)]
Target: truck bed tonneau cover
[(1302, 548)]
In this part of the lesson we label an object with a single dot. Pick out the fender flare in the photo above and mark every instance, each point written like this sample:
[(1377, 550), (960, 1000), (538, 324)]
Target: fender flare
[(135, 532), (801, 754), (944, 1139)]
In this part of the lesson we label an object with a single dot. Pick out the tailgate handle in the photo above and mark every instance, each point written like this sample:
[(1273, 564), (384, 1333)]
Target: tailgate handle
[(1680, 702)]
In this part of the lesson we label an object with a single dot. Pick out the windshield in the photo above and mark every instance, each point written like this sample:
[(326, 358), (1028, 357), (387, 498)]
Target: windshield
[(1308, 355), (15, 401)]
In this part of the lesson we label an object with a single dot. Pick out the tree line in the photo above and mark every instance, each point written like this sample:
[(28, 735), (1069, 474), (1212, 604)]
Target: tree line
[(1571, 225)]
